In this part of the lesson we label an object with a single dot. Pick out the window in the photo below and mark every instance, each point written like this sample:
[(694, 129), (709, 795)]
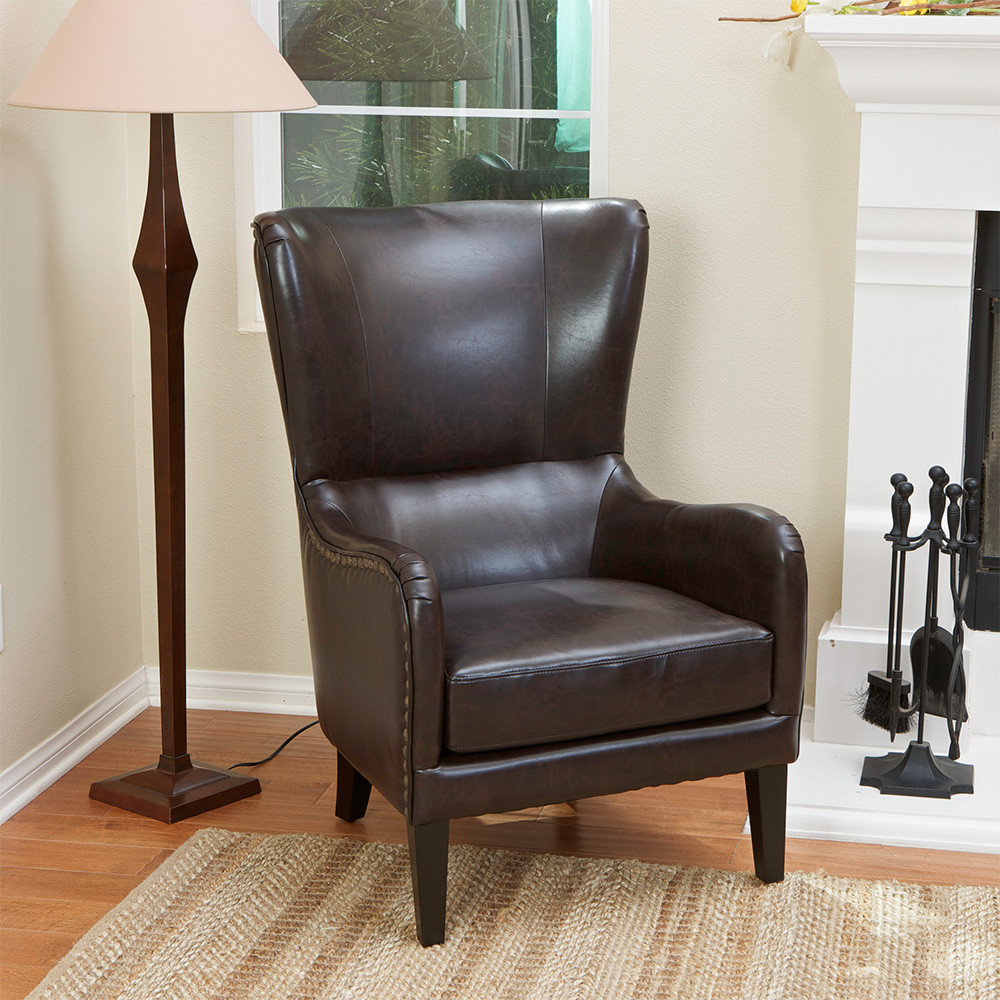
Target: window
[(430, 100)]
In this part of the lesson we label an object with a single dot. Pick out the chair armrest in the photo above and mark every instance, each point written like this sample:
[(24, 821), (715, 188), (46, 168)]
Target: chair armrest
[(741, 559), (375, 628)]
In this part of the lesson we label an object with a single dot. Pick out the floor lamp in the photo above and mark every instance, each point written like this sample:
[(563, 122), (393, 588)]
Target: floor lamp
[(160, 57)]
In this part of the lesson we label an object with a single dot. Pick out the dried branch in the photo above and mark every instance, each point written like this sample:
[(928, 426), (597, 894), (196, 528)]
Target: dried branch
[(762, 20)]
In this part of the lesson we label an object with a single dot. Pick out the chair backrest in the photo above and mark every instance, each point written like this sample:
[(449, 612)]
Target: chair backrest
[(458, 336)]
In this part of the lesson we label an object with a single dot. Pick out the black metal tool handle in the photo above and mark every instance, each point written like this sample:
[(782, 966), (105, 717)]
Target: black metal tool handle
[(970, 513), (954, 493), (894, 481), (936, 503), (905, 491), (953, 547), (936, 499)]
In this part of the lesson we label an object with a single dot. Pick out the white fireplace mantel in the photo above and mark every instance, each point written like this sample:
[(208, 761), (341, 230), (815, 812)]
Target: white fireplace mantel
[(914, 63), (928, 92)]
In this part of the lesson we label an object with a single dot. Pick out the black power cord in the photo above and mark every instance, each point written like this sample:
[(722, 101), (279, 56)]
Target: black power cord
[(254, 763)]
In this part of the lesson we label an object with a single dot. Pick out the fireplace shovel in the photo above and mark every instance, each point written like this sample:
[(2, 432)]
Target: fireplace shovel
[(940, 657), (939, 641)]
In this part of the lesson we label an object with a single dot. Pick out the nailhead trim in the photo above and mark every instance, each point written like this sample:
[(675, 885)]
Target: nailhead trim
[(377, 566)]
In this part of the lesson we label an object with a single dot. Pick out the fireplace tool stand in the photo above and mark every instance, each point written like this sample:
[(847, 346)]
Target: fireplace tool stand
[(919, 771)]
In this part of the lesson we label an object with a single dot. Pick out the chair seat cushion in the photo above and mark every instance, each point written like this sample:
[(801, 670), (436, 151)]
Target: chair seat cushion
[(548, 660)]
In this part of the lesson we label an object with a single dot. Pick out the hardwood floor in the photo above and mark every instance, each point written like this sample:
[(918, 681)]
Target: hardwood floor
[(65, 860)]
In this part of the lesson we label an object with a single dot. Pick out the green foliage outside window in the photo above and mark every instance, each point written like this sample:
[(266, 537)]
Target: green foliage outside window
[(373, 160)]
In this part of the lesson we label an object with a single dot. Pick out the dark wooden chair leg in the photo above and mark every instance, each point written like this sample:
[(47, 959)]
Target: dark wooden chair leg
[(766, 793), (429, 870), (353, 790)]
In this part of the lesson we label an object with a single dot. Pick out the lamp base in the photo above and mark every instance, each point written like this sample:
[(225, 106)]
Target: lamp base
[(175, 789), (917, 772)]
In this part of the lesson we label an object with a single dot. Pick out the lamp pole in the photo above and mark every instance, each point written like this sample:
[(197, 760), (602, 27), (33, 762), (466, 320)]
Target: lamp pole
[(165, 263)]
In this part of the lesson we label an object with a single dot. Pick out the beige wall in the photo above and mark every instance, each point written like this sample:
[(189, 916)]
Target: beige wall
[(740, 388), (69, 562), (749, 176)]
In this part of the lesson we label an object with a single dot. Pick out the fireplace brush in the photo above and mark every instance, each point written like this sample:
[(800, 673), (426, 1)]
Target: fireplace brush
[(876, 708)]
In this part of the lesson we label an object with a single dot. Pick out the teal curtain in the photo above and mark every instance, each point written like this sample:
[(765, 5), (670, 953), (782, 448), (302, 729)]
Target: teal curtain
[(573, 74)]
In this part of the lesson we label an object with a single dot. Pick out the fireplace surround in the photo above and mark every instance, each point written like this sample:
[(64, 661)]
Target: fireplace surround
[(928, 92), (982, 425)]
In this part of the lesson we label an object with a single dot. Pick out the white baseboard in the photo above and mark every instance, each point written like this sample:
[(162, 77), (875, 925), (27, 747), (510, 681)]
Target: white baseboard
[(211, 689), (62, 751), (275, 694)]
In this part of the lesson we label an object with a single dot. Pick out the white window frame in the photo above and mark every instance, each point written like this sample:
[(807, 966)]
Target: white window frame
[(257, 140)]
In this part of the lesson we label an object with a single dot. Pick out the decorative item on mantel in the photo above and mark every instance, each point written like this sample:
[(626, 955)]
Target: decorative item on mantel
[(777, 47), (935, 653)]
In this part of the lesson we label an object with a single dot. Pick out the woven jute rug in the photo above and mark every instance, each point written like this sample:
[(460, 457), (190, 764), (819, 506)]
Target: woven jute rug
[(234, 916)]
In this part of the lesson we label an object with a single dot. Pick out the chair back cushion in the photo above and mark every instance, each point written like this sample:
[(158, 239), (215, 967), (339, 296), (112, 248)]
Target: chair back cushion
[(456, 336)]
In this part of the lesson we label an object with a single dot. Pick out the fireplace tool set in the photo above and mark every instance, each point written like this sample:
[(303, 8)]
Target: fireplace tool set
[(935, 653)]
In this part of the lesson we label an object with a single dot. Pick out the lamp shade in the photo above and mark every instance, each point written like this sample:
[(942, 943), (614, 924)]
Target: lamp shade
[(161, 57)]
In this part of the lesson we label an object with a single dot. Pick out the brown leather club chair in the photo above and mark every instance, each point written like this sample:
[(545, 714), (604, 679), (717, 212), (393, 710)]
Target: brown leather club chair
[(500, 615)]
